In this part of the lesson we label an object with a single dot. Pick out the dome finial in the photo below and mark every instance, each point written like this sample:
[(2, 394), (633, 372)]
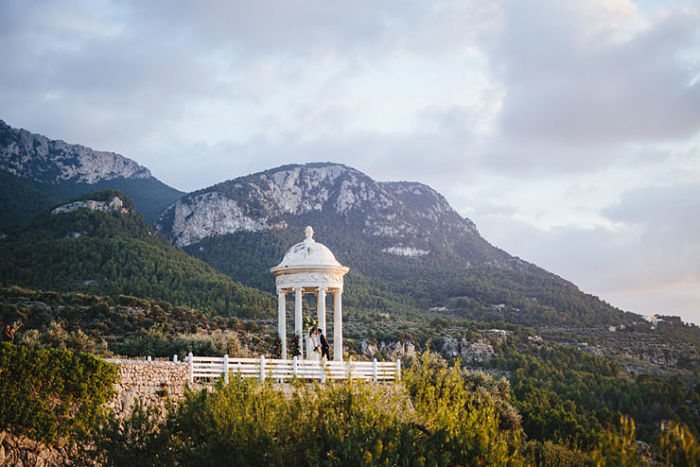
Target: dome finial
[(309, 232)]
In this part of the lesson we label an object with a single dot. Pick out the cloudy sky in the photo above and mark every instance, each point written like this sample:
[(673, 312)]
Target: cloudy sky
[(568, 131)]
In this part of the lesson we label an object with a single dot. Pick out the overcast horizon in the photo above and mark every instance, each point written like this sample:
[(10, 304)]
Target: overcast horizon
[(569, 132)]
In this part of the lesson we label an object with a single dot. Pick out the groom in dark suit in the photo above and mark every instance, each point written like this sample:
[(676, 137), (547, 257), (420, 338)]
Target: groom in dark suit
[(324, 345)]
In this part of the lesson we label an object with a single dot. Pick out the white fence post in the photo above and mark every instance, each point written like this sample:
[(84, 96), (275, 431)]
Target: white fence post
[(262, 368), (226, 368), (175, 358), (398, 369), (190, 357), (322, 365), (348, 371), (148, 359), (294, 366), (374, 370)]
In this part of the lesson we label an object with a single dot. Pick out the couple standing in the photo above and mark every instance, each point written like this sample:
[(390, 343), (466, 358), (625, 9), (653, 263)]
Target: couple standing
[(318, 345)]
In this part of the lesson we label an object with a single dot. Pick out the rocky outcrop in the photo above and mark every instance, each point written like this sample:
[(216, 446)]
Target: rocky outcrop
[(391, 351), (210, 214), (41, 159), (497, 335), (115, 205), (471, 353), (405, 251)]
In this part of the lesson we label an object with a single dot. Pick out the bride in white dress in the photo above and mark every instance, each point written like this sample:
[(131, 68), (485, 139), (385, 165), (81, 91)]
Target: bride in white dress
[(313, 346)]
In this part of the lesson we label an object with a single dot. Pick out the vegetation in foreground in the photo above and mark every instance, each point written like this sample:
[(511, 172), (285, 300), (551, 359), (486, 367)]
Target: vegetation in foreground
[(437, 415), (566, 396), (52, 395), (118, 254)]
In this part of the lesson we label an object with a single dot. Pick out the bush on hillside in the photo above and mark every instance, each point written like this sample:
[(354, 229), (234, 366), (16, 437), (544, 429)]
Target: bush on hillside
[(52, 394)]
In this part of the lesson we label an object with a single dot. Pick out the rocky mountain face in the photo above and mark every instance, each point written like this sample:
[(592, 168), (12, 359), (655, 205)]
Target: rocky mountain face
[(53, 169), (43, 160), (405, 219)]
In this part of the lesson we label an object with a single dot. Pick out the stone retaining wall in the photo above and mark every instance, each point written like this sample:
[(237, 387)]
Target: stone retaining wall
[(149, 382), (21, 451)]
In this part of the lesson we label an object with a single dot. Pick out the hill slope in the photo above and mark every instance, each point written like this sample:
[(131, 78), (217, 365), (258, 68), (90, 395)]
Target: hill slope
[(61, 170), (97, 244), (402, 238), (21, 199)]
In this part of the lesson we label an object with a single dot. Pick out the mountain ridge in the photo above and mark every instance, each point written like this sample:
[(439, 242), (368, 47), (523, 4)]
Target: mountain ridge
[(401, 238), (36, 157), (253, 201), (57, 169)]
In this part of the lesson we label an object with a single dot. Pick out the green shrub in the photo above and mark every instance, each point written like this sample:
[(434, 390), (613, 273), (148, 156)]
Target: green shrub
[(56, 337), (52, 394), (155, 343), (465, 424), (549, 454), (678, 445), (619, 447), (134, 441)]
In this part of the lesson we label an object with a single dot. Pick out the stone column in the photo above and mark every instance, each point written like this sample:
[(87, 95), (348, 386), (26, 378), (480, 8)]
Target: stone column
[(338, 325), (282, 320), (321, 308), (298, 323)]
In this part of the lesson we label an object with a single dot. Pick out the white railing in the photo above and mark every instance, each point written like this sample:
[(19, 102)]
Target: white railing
[(277, 369)]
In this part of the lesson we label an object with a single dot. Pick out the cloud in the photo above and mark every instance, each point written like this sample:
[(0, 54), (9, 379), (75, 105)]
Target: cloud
[(586, 73), (122, 76), (668, 214), (647, 262)]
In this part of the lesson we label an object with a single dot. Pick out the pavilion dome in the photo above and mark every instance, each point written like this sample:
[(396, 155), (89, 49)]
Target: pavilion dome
[(308, 254)]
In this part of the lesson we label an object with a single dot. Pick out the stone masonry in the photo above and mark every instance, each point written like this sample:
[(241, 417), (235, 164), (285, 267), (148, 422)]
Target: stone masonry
[(149, 382), (24, 452)]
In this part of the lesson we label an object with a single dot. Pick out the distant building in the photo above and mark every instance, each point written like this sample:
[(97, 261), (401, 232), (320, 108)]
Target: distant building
[(654, 319)]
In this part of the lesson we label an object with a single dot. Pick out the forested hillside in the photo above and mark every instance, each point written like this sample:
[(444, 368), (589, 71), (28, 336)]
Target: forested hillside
[(21, 199), (115, 253)]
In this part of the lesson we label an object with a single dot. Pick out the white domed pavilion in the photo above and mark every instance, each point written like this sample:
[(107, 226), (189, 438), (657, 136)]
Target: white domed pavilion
[(310, 268)]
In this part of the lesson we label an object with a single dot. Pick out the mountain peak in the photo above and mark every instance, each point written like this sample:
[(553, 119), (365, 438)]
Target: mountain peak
[(38, 158), (36, 172), (276, 198)]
